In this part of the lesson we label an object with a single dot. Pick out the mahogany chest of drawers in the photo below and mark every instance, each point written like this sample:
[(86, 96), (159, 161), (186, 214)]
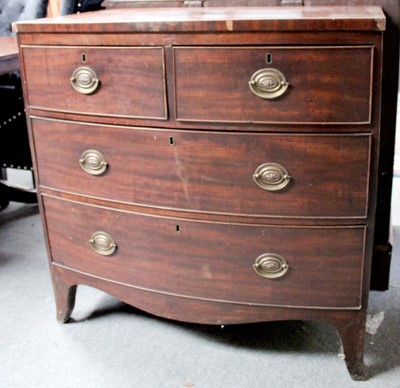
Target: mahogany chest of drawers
[(215, 166)]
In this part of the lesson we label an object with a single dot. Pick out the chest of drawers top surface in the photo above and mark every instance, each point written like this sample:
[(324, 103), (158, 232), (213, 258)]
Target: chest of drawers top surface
[(360, 18)]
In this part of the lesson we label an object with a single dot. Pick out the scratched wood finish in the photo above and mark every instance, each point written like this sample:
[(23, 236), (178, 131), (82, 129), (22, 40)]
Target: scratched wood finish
[(211, 260), (132, 76), (142, 4), (325, 84), (208, 171), (198, 310), (389, 99), (361, 18)]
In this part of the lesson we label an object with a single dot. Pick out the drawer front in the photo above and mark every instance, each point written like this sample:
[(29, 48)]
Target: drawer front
[(209, 172), (327, 85), (130, 80), (210, 260)]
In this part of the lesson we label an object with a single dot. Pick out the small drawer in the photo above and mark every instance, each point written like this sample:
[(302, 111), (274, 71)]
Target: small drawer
[(291, 175), (101, 81), (278, 266), (285, 85)]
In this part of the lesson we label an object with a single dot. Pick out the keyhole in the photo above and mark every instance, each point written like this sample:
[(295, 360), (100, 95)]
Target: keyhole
[(83, 57), (178, 228), (268, 58), (171, 140)]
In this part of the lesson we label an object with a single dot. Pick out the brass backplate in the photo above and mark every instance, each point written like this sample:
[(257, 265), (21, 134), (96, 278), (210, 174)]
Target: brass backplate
[(268, 83)]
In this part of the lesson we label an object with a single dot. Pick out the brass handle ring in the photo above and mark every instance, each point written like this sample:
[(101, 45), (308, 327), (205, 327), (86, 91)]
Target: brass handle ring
[(271, 266), (271, 176), (84, 80), (102, 243), (268, 83), (93, 162)]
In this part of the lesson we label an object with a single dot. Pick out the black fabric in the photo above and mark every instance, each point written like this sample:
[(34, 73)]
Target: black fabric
[(74, 6), (14, 145)]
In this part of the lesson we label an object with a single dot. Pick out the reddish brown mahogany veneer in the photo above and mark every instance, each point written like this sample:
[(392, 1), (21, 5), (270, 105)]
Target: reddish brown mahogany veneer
[(211, 165)]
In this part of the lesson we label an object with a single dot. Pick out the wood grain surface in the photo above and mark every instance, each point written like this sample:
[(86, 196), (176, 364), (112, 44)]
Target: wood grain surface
[(326, 85), (208, 171), (360, 18), (8, 54), (211, 260), (182, 135), (131, 80)]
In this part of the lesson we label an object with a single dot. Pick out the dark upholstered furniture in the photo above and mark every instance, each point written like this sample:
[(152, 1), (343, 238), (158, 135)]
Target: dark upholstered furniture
[(14, 145), (76, 6)]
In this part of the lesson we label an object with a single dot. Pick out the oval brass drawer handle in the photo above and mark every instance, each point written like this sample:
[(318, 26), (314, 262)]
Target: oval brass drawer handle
[(84, 80), (102, 243), (268, 83), (271, 266), (93, 162), (271, 176)]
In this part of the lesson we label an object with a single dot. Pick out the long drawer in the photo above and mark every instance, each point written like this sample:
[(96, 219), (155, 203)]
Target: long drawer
[(285, 85), (208, 260), (102, 81), (247, 174)]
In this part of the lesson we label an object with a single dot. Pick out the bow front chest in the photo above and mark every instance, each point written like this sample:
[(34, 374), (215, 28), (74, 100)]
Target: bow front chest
[(210, 165)]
